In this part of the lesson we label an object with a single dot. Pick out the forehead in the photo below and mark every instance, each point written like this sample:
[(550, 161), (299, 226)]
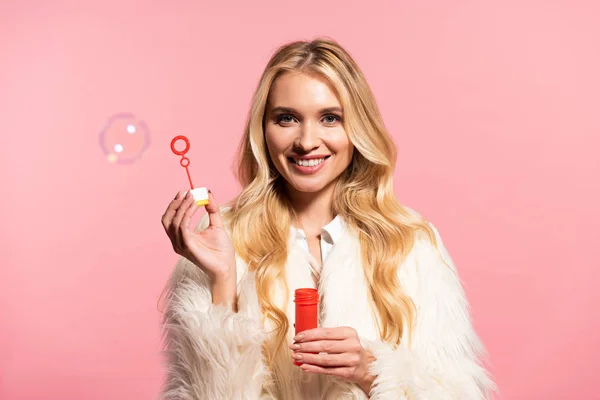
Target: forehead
[(303, 92)]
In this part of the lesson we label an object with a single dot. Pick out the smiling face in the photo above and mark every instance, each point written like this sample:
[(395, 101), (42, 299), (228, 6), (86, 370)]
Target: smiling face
[(304, 132)]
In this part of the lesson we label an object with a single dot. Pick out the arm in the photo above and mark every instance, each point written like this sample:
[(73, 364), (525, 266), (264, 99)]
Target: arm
[(443, 361), (211, 351)]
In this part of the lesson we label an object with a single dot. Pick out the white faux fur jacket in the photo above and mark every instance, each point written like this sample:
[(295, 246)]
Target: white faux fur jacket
[(213, 353)]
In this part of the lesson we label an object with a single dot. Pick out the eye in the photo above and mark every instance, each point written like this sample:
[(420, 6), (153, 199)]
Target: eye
[(332, 119), (285, 119)]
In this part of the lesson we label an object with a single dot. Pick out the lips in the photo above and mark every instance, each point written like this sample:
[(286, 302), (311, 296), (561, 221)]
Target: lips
[(309, 162), (307, 166)]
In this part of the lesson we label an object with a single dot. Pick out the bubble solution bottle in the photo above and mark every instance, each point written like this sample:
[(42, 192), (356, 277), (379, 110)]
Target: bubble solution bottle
[(307, 310)]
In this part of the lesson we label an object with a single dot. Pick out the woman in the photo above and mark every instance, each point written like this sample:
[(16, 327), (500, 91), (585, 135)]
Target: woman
[(316, 210)]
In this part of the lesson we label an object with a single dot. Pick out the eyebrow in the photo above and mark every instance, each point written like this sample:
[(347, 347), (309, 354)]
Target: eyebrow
[(321, 111)]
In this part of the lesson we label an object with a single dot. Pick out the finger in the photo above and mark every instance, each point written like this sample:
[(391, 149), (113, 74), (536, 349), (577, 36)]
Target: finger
[(328, 360), (214, 214), (167, 218), (342, 372), (186, 203), (338, 333), (184, 228), (327, 346)]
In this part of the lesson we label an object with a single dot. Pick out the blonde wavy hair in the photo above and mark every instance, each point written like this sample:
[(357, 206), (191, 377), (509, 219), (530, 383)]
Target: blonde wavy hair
[(363, 194)]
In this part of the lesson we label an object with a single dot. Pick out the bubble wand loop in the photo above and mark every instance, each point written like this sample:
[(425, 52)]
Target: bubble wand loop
[(200, 194)]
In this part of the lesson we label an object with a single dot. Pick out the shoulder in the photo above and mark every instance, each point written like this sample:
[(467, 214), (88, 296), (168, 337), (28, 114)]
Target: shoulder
[(428, 263)]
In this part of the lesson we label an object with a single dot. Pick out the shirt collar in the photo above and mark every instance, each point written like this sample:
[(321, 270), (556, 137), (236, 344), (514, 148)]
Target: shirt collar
[(331, 233)]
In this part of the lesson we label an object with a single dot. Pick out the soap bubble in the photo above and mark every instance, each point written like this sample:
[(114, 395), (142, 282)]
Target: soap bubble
[(124, 138)]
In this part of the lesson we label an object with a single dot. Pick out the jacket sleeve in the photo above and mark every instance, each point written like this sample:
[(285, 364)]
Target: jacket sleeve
[(210, 351), (443, 360)]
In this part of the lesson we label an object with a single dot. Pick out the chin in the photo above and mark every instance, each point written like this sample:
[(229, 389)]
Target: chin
[(308, 187)]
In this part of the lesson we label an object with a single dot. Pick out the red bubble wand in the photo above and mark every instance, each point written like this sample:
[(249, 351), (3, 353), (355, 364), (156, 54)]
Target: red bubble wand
[(200, 194)]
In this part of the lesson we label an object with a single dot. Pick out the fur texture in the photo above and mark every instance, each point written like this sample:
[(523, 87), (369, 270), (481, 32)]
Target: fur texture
[(213, 353)]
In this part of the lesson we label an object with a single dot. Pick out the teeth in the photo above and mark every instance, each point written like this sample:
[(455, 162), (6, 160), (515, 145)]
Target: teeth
[(310, 163)]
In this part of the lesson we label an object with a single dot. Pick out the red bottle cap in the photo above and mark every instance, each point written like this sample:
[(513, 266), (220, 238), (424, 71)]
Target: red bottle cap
[(306, 296)]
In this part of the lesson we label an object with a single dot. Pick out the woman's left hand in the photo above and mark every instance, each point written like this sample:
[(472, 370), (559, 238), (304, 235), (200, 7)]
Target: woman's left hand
[(345, 357)]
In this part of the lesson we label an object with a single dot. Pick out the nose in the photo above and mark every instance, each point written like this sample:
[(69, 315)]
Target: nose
[(308, 138)]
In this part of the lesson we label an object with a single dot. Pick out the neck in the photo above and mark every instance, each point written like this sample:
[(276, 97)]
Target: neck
[(313, 210)]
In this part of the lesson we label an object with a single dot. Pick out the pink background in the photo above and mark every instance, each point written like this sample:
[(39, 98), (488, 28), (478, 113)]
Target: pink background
[(494, 106)]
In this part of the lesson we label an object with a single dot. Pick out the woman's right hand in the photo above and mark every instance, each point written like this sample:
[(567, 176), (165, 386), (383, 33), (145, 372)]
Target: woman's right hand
[(210, 249)]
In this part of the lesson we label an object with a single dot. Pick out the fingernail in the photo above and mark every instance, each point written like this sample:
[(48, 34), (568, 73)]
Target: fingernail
[(295, 346), (297, 356), (299, 337)]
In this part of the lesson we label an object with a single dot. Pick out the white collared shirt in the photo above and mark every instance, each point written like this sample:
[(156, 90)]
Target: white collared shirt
[(330, 234)]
